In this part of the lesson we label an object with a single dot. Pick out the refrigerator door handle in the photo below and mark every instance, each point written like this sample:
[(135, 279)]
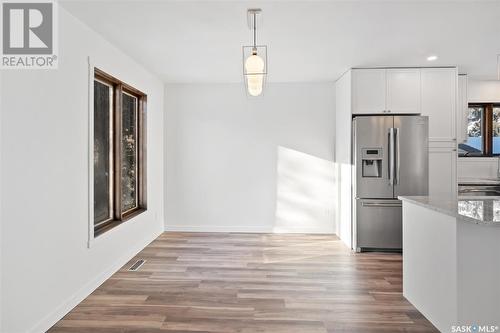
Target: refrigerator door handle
[(391, 156), (382, 204), (398, 156)]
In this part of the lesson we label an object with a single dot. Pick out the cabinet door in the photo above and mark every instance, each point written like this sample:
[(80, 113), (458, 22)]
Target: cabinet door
[(462, 109), (439, 98), (403, 90), (443, 172), (368, 91)]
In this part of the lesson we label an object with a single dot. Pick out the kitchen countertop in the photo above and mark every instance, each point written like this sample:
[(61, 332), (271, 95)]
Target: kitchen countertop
[(477, 210), (478, 181)]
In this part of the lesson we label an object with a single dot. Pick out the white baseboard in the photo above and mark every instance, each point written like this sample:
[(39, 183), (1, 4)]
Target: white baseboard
[(282, 230), (203, 228), (244, 229), (53, 317)]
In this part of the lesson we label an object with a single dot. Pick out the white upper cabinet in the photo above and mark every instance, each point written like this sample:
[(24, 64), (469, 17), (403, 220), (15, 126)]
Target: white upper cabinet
[(439, 99), (428, 91), (380, 90), (368, 91), (403, 90)]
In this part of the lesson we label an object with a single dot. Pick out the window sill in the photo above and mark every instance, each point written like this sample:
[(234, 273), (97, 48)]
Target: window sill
[(115, 223)]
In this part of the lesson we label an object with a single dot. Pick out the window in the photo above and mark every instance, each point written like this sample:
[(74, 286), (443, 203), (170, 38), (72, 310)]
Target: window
[(119, 152), (483, 131), (474, 144)]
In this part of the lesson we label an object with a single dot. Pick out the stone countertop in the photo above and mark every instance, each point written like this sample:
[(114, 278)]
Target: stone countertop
[(477, 210)]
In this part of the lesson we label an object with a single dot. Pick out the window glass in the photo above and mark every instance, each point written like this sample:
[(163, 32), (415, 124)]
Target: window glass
[(496, 130), (129, 152), (102, 152), (474, 144), (119, 152)]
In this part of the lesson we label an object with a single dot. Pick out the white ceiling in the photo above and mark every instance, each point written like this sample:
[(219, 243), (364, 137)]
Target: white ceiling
[(187, 41)]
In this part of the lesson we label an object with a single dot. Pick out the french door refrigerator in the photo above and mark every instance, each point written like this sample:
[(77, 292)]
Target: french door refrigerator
[(390, 158)]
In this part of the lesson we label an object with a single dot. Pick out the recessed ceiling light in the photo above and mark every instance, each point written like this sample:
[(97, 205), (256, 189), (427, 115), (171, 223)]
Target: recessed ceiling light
[(432, 58)]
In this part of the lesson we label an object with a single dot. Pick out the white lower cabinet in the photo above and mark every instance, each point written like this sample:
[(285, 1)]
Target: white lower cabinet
[(443, 170)]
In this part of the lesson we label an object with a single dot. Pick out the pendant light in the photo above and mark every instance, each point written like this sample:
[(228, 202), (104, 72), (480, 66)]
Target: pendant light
[(254, 58)]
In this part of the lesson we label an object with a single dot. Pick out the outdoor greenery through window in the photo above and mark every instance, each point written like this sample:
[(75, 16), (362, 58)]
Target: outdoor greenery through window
[(483, 131), (119, 152)]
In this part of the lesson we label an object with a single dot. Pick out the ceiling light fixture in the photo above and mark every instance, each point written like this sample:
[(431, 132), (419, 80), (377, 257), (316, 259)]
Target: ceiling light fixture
[(254, 58), (432, 58)]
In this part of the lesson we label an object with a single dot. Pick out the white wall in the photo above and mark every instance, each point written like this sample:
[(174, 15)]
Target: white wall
[(46, 265), (250, 165)]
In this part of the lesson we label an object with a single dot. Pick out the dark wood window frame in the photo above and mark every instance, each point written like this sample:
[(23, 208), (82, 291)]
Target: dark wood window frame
[(118, 215), (486, 128)]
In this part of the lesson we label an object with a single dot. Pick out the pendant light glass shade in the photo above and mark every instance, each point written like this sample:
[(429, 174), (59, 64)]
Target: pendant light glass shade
[(254, 67)]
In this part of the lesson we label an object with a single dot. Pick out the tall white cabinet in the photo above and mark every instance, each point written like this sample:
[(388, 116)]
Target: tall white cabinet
[(439, 102), (431, 92)]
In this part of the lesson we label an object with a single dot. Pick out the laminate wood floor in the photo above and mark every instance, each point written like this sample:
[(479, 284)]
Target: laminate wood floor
[(232, 282)]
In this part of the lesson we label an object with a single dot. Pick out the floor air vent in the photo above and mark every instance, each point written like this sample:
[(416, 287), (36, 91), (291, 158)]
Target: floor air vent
[(137, 265)]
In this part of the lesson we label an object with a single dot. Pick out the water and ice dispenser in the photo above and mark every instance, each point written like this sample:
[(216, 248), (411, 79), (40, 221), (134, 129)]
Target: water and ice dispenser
[(371, 161)]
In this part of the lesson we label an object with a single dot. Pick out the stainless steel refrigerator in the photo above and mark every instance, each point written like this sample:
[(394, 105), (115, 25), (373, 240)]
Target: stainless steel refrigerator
[(390, 158)]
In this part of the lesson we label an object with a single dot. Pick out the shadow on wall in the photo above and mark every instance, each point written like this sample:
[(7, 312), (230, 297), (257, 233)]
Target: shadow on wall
[(305, 193)]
